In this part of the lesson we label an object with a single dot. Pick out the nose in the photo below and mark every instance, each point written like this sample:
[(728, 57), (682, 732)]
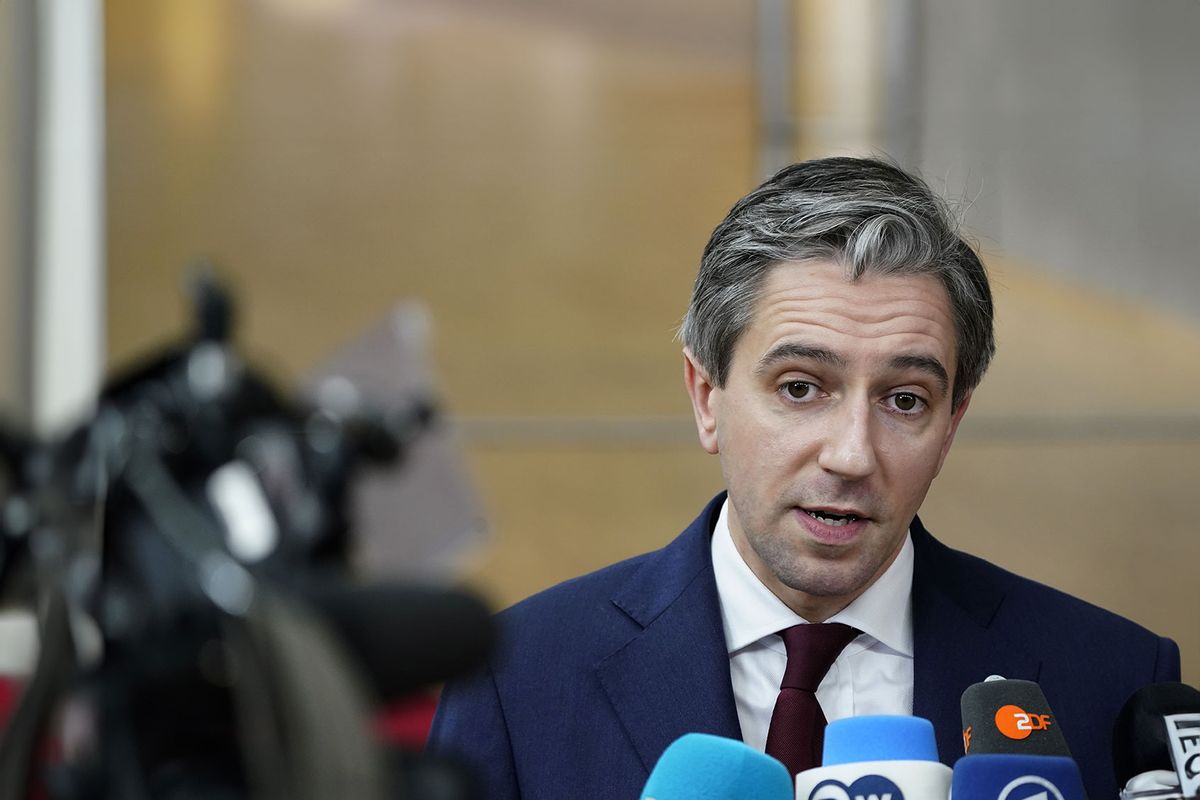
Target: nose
[(849, 447)]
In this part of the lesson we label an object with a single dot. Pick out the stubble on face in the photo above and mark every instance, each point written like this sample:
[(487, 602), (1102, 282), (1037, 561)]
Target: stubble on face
[(814, 579)]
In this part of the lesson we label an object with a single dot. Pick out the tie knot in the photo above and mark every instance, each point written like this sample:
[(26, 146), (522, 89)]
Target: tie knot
[(811, 651)]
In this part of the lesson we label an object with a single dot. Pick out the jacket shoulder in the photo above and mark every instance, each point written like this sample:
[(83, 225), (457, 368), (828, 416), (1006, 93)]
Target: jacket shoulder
[(590, 614), (583, 604), (1043, 617)]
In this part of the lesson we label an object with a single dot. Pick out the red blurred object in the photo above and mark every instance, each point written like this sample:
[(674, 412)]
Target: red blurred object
[(406, 722), (48, 752), (10, 693)]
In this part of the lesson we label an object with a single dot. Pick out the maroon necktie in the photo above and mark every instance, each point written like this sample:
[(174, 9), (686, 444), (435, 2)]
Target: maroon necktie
[(797, 732)]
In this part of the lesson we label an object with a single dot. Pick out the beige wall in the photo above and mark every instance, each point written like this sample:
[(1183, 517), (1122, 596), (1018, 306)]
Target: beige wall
[(16, 202)]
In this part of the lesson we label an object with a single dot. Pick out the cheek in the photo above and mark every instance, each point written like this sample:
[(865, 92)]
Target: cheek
[(753, 452), (910, 466), (780, 458)]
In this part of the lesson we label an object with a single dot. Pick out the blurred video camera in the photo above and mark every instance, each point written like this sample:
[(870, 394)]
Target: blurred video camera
[(189, 553)]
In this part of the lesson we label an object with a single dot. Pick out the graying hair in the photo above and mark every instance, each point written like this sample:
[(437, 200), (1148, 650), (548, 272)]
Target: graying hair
[(863, 213)]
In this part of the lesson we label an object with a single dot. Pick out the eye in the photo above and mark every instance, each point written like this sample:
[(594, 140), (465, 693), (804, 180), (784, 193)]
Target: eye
[(798, 390), (907, 403)]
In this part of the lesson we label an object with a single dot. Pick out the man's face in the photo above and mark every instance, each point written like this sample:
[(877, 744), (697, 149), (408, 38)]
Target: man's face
[(834, 420)]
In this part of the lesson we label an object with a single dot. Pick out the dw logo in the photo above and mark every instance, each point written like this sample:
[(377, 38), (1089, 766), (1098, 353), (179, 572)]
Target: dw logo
[(868, 787)]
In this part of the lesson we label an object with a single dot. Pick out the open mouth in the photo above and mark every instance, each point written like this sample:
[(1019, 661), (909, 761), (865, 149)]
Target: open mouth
[(829, 518)]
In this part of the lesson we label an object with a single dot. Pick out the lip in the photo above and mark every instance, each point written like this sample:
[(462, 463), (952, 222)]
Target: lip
[(832, 534)]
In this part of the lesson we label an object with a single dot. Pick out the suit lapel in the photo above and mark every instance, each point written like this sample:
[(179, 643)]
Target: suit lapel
[(672, 677), (955, 643)]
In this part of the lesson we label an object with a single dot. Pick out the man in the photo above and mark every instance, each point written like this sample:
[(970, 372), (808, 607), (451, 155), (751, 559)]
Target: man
[(837, 328)]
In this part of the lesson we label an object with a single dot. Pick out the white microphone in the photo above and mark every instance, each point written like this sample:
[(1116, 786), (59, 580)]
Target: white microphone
[(877, 758)]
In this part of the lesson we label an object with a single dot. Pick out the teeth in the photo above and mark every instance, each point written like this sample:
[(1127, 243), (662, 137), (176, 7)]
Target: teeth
[(836, 520)]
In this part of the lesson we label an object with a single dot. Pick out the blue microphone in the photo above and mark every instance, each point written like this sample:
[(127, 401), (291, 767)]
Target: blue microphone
[(879, 738), (999, 776), (877, 758), (698, 766)]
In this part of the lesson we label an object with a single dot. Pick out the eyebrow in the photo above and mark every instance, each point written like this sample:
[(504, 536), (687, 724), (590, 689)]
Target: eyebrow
[(797, 351), (926, 364)]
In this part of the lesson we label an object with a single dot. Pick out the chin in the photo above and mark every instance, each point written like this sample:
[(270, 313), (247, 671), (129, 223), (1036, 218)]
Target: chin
[(823, 582)]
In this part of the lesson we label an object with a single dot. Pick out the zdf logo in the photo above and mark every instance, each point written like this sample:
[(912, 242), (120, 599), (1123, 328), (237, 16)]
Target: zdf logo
[(1015, 723)]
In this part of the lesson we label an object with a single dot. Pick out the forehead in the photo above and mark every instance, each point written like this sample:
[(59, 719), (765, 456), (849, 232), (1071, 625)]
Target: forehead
[(814, 302)]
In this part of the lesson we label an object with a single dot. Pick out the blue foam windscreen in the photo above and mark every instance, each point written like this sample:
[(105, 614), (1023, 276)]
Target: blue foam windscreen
[(879, 738), (1016, 777), (698, 766)]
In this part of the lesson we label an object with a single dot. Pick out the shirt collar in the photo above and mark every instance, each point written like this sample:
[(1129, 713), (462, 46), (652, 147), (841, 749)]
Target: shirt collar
[(750, 611)]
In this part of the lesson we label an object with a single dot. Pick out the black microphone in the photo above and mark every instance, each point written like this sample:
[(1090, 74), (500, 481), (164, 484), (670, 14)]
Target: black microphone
[(405, 636), (1146, 741), (1010, 717), (1014, 747)]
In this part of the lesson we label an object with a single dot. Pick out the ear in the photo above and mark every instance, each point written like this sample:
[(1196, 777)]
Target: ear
[(701, 390), (954, 420)]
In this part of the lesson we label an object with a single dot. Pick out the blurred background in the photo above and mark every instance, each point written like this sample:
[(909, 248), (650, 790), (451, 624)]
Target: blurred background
[(543, 176)]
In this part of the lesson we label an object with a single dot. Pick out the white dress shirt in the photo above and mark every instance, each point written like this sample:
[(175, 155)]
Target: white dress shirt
[(873, 675)]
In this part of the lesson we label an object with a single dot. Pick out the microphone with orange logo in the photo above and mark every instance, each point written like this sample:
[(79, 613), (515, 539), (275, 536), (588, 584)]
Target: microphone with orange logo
[(1014, 749), (1010, 717)]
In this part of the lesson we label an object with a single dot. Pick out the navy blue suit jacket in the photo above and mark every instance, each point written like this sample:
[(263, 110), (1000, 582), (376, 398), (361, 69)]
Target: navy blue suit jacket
[(596, 676)]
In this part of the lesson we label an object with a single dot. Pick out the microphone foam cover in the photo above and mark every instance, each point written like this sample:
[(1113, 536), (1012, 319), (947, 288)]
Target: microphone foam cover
[(406, 635), (894, 780), (879, 738), (1140, 735), (698, 766), (1016, 777), (1010, 716)]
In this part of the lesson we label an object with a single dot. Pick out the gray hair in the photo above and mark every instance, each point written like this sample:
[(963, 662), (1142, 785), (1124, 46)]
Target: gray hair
[(864, 213)]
